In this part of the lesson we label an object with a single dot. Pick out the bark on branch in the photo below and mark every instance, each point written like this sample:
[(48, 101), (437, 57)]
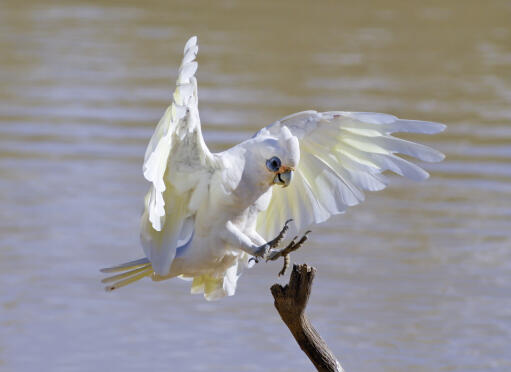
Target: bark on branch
[(291, 301)]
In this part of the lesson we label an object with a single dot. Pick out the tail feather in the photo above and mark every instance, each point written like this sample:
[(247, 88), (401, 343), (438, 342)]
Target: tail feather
[(126, 265), (126, 274), (146, 272), (129, 272)]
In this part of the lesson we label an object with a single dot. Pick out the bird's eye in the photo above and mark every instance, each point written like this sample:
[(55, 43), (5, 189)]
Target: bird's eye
[(273, 164)]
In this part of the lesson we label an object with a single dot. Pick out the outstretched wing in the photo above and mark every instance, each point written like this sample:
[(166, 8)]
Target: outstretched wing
[(178, 164), (341, 155)]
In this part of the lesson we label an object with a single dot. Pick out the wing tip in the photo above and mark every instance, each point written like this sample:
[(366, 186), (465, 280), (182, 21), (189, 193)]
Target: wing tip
[(192, 41), (425, 176), (424, 127), (441, 157), (434, 156), (435, 127), (441, 127)]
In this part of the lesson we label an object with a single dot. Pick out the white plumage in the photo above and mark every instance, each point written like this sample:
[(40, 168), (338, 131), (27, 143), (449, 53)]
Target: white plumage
[(207, 214)]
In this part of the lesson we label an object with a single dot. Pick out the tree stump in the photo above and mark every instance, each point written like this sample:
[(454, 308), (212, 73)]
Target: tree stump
[(291, 301)]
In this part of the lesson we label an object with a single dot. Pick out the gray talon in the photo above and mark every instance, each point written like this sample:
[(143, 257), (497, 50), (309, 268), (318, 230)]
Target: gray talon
[(268, 252), (275, 242), (285, 252)]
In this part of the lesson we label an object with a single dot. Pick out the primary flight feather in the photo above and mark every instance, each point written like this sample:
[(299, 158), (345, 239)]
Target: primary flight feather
[(208, 214)]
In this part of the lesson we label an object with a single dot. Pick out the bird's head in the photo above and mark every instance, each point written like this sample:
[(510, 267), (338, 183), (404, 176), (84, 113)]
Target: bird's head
[(280, 156)]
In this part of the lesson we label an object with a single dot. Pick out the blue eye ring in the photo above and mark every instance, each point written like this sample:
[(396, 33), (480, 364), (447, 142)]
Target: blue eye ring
[(273, 164)]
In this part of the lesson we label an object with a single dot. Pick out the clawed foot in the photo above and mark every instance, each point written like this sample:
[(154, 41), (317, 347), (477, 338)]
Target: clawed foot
[(275, 242), (291, 247), (264, 250), (269, 253)]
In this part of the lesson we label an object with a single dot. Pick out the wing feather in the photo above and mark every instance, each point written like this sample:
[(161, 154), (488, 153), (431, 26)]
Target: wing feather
[(179, 165), (341, 155)]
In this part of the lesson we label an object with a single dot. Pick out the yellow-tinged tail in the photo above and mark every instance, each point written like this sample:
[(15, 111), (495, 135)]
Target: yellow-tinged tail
[(129, 272)]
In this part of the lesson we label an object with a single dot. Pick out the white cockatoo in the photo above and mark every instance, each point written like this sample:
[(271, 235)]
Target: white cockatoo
[(207, 214)]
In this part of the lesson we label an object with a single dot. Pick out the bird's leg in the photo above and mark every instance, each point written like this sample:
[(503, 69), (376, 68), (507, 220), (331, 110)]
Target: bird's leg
[(264, 250), (291, 247), (255, 245)]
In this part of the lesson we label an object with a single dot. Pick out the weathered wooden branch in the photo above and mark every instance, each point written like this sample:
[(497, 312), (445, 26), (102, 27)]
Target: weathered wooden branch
[(291, 301)]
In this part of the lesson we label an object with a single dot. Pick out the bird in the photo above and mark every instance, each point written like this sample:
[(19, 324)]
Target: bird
[(209, 216)]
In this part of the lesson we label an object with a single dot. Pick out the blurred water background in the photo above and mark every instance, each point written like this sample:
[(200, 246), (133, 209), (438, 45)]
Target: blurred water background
[(418, 278)]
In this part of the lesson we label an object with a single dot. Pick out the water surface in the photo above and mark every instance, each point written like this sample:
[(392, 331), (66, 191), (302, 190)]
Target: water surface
[(416, 278)]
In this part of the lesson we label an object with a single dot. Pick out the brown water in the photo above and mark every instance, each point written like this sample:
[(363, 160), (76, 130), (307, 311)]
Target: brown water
[(418, 278)]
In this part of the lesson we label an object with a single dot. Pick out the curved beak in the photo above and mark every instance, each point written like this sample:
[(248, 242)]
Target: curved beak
[(283, 178)]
